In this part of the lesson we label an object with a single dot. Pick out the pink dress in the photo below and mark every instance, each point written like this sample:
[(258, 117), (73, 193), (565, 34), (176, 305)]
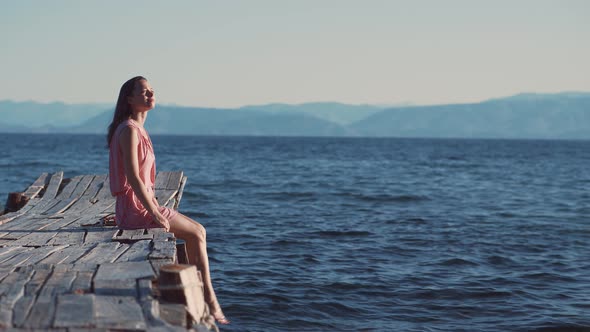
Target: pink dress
[(129, 212)]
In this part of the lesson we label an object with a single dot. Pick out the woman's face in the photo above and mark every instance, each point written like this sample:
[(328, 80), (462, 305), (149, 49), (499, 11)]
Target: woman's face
[(142, 99)]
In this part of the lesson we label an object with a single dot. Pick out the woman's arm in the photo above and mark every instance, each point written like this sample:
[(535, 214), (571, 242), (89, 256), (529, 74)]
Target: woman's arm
[(129, 144)]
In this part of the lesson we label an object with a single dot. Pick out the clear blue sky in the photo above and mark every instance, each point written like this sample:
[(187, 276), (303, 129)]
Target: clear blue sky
[(233, 53)]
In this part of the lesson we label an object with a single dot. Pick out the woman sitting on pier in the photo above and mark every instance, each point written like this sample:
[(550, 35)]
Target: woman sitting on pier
[(132, 174)]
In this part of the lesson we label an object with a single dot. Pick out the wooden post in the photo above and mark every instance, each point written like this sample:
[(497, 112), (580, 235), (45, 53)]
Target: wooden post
[(181, 254), (15, 202), (180, 283)]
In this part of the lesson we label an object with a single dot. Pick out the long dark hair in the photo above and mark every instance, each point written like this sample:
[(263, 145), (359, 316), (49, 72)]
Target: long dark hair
[(122, 110)]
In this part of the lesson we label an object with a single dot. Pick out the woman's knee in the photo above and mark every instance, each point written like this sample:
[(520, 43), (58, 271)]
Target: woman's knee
[(201, 232)]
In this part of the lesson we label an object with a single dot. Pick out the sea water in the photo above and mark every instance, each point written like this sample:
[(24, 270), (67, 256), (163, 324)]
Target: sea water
[(371, 234)]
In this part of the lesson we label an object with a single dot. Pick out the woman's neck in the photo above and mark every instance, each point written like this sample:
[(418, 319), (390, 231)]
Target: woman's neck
[(139, 117)]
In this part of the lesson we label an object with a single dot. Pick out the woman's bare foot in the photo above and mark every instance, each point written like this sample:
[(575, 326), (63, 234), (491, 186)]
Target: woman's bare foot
[(220, 317), (217, 313)]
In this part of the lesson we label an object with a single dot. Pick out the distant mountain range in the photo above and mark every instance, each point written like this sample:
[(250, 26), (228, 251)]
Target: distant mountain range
[(560, 115)]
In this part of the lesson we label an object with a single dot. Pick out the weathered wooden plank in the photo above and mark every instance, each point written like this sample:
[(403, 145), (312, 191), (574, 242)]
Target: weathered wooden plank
[(14, 216), (35, 238), (158, 263), (47, 200), (101, 234), (83, 267), (104, 253), (105, 191), (179, 195), (84, 202), (132, 235), (144, 235), (11, 289), (122, 287), (173, 313), (37, 186), (15, 329), (95, 186), (25, 303), (73, 236), (163, 250), (6, 251), (10, 217), (31, 204), (74, 310), (5, 271), (59, 222), (60, 206), (69, 187), (138, 251), (91, 208), (15, 235), (41, 273), (125, 234), (35, 255), (17, 224), (164, 196), (118, 312), (160, 234), (53, 186), (21, 309), (162, 179), (83, 282), (174, 180), (4, 242), (60, 282), (69, 198), (24, 254), (151, 310), (124, 271), (29, 223), (42, 180), (14, 257), (41, 313), (144, 289), (90, 220), (103, 204), (82, 186), (67, 255)]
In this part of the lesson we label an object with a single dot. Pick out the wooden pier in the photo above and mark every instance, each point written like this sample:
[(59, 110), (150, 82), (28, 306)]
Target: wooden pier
[(65, 267)]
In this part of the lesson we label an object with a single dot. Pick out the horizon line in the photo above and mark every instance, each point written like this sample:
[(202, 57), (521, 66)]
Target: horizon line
[(377, 104)]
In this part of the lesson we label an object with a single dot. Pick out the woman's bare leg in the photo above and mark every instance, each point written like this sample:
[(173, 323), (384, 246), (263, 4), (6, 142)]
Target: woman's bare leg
[(194, 236)]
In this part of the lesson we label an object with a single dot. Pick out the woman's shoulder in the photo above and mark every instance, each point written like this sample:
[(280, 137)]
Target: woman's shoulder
[(127, 124), (126, 128)]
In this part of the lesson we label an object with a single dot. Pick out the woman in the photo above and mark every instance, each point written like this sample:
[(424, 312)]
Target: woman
[(132, 174)]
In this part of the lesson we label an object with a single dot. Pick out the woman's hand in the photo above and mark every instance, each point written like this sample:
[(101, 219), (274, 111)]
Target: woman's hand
[(161, 220)]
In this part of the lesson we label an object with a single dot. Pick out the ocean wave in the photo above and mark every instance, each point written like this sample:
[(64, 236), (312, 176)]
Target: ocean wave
[(461, 293), (30, 164), (560, 327), (287, 242), (499, 260), (341, 233), (226, 184), (385, 198), (286, 195), (457, 262), (336, 308)]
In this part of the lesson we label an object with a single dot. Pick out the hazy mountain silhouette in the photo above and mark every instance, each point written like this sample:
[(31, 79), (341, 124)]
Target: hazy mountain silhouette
[(214, 121), (561, 115), (564, 115), (33, 114), (339, 113)]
